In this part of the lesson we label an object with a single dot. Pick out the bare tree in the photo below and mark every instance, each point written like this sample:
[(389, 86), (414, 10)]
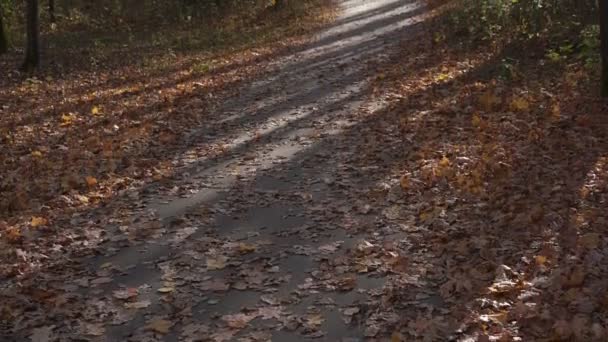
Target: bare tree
[(604, 45), (32, 48), (3, 39)]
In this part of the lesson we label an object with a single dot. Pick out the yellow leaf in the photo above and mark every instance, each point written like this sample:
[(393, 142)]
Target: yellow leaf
[(95, 110), (91, 181), (67, 119), (519, 104), (38, 221), (161, 326), (37, 154), (540, 259), (442, 77), (444, 162)]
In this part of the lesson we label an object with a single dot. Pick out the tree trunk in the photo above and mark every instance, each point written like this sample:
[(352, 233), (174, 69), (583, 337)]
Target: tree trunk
[(32, 48), (52, 10), (604, 44), (3, 39)]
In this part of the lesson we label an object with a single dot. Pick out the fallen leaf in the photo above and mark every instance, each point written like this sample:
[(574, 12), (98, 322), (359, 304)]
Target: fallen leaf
[(520, 104), (590, 240), (138, 305), (94, 330), (217, 263), (314, 321), (91, 181), (38, 221), (245, 248), (271, 312), (166, 289), (125, 293), (405, 182), (161, 326), (240, 320)]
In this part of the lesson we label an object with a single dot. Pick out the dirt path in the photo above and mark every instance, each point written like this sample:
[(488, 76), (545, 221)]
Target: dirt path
[(277, 238)]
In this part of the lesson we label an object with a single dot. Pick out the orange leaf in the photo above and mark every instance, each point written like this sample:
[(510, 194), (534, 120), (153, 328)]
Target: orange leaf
[(38, 221), (91, 181)]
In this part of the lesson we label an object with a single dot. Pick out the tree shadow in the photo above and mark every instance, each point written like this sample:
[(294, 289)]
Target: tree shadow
[(492, 186)]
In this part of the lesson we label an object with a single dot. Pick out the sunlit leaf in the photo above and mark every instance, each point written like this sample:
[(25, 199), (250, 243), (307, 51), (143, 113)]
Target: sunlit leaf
[(95, 110), (38, 221)]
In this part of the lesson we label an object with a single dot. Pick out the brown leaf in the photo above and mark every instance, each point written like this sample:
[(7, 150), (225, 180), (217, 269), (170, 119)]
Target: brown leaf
[(161, 326), (240, 320), (91, 181), (138, 305), (217, 262), (405, 182), (590, 240)]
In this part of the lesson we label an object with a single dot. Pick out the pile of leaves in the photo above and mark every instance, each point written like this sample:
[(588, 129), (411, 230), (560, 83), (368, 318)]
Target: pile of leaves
[(506, 173)]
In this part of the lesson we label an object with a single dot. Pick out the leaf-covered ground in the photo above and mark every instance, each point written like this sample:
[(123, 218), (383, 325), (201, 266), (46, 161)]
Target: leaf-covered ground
[(375, 183)]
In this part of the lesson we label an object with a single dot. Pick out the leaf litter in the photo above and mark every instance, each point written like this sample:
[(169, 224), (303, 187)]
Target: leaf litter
[(462, 210)]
